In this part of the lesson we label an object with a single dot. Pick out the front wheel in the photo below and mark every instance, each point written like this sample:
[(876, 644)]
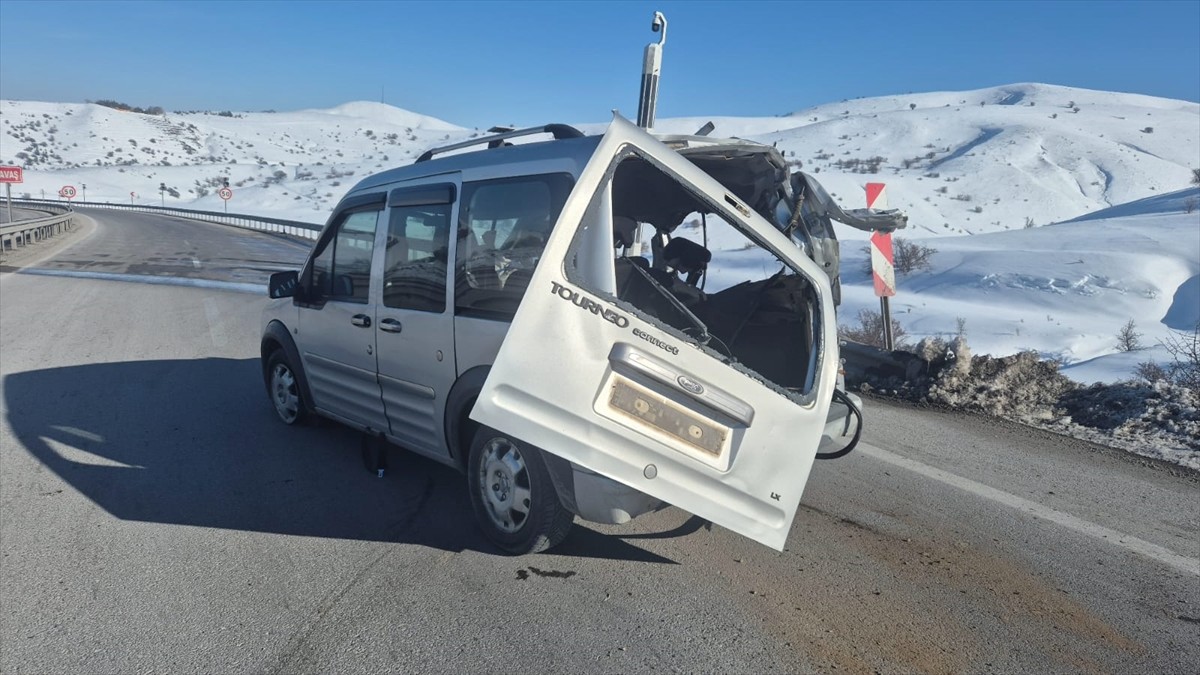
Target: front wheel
[(283, 387), (513, 496)]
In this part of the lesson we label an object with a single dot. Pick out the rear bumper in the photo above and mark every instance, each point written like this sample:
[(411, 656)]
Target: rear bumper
[(603, 500)]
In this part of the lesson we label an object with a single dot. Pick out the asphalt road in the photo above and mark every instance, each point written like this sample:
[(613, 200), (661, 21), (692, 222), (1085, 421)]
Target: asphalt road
[(154, 516)]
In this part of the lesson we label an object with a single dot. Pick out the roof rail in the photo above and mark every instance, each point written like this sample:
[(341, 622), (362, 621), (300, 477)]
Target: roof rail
[(559, 131)]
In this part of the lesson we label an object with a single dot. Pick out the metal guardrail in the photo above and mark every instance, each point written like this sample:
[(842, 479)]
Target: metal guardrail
[(864, 363), (33, 230), (290, 227)]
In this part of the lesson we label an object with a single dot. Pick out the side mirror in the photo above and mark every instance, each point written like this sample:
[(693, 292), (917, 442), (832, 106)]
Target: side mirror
[(283, 284)]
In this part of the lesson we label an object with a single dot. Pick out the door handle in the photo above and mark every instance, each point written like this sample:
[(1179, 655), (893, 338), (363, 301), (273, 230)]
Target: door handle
[(390, 326), (361, 320)]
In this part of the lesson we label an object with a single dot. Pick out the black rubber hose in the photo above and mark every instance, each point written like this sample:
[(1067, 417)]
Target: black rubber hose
[(837, 394)]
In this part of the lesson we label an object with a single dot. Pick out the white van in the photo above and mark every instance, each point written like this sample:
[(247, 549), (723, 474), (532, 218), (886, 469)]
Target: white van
[(590, 325)]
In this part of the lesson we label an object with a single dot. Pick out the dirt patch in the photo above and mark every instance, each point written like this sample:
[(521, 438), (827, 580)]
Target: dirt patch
[(862, 622), (929, 603), (1046, 618)]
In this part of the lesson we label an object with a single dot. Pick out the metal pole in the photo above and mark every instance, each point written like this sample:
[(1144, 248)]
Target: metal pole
[(8, 194), (651, 67), (886, 311)]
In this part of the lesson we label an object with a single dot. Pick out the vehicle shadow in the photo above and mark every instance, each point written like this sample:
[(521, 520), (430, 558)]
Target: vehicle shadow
[(195, 442)]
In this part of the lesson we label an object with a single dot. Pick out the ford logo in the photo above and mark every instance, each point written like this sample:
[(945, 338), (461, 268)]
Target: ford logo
[(690, 385)]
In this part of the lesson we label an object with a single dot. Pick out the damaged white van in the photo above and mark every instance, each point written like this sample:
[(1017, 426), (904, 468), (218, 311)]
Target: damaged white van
[(586, 326)]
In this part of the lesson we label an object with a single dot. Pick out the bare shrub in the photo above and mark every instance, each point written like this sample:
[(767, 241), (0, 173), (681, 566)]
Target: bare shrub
[(911, 257), (1150, 372), (1190, 204), (1195, 176), (1184, 348), (1128, 339), (869, 330), (907, 257)]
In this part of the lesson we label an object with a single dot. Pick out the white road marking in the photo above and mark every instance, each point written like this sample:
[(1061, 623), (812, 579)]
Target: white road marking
[(195, 263), (85, 435), (150, 279), (1128, 542)]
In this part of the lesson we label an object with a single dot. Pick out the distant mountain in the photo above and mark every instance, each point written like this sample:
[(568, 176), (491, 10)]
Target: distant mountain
[(959, 162), (987, 160), (293, 165)]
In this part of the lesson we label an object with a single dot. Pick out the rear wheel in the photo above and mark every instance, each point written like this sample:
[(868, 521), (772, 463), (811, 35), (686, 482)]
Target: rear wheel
[(283, 386), (514, 498)]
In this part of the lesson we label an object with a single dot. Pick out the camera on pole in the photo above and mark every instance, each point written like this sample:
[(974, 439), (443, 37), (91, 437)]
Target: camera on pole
[(651, 66)]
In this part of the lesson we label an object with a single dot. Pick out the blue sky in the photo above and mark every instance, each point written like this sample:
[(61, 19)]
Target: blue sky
[(483, 63)]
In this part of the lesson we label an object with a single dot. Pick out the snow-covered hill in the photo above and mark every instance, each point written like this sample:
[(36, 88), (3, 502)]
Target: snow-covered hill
[(959, 162), (286, 165)]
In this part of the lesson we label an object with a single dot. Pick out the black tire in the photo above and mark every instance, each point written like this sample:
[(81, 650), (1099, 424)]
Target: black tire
[(513, 468), (284, 390)]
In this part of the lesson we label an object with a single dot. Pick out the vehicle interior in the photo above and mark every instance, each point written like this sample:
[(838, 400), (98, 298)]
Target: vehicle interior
[(705, 277)]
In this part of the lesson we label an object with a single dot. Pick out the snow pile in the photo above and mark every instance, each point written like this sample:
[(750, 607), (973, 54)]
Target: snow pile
[(1022, 386), (1159, 419)]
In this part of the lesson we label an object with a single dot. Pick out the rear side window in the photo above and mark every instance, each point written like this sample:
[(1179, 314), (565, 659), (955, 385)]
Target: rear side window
[(417, 245), (503, 227)]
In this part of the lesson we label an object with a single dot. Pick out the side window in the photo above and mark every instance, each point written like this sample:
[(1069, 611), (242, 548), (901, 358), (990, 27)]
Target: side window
[(342, 269), (417, 246), (503, 226)]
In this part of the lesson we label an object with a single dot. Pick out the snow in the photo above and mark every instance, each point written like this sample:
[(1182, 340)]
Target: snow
[(1064, 290), (971, 168)]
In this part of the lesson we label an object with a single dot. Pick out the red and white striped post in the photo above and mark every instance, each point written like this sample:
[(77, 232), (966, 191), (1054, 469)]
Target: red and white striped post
[(882, 268)]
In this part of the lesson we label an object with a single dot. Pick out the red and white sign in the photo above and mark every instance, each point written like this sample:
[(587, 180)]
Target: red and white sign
[(882, 268), (67, 191), (12, 174), (876, 196), (881, 264), (225, 193)]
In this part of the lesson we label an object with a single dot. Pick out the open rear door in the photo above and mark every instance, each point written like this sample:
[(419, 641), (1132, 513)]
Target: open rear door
[(591, 378)]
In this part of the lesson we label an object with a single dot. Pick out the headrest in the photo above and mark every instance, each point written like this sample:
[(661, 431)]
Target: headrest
[(686, 255), (624, 231)]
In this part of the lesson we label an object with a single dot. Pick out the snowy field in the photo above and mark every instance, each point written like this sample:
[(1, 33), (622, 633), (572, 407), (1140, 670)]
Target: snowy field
[(1064, 290)]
